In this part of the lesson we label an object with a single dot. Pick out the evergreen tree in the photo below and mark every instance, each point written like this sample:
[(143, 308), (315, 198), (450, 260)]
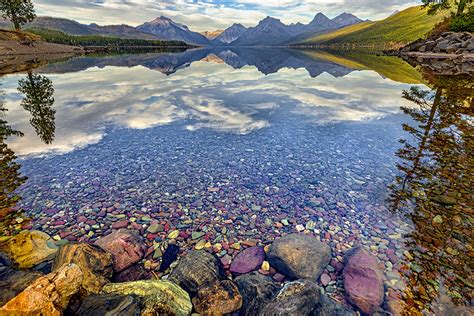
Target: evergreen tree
[(19, 12)]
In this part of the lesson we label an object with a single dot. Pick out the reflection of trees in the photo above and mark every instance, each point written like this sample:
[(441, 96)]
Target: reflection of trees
[(435, 191), (39, 100), (10, 176)]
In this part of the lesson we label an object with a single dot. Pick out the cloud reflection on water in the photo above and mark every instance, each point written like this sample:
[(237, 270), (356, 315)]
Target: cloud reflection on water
[(205, 95)]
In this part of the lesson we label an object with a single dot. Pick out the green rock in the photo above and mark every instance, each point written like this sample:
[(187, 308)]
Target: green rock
[(438, 219), (153, 229), (197, 235), (160, 297), (444, 200)]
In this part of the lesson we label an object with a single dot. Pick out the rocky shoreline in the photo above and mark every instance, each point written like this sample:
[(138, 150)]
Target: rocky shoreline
[(447, 54), (39, 275)]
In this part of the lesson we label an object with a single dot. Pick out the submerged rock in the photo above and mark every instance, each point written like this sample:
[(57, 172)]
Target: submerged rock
[(96, 265), (196, 269), (158, 297), (126, 247), (328, 307), (110, 304), (363, 280), (295, 298), (48, 295), (248, 260), (29, 248), (134, 273), (257, 291), (299, 256), (170, 256), (218, 298), (13, 282)]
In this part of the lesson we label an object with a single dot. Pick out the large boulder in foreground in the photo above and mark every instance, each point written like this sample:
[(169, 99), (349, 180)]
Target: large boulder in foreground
[(295, 298), (363, 280), (299, 256), (218, 298), (257, 291), (110, 304), (248, 260), (126, 246), (158, 297), (196, 269), (13, 282), (29, 248), (48, 295), (96, 265)]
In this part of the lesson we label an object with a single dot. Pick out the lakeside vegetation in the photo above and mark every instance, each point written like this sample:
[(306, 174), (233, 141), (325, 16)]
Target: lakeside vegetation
[(400, 28), (59, 37)]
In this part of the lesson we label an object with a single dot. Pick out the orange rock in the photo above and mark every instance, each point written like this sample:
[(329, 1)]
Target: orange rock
[(48, 295)]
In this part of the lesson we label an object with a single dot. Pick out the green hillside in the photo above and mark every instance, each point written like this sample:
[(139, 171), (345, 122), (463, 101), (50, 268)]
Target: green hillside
[(400, 28)]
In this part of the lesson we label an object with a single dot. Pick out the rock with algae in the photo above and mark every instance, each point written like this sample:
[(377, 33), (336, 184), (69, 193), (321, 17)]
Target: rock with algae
[(159, 297)]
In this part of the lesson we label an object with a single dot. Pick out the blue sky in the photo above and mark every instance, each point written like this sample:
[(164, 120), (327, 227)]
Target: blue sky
[(201, 15)]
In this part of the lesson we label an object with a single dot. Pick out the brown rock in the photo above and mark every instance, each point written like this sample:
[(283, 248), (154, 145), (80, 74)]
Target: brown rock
[(29, 248), (48, 295), (96, 265), (126, 247), (219, 298)]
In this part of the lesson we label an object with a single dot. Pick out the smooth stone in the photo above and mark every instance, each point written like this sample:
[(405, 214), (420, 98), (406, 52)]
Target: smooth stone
[(96, 265), (13, 282), (110, 304), (159, 297), (299, 256), (196, 269), (48, 295), (28, 249), (126, 246), (153, 229), (197, 235), (248, 260), (218, 298), (363, 280), (257, 291)]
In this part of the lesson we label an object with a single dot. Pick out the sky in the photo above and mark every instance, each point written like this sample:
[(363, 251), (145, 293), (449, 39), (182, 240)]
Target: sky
[(208, 15)]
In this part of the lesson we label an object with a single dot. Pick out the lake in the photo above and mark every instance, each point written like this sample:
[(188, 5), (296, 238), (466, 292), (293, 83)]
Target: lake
[(241, 146)]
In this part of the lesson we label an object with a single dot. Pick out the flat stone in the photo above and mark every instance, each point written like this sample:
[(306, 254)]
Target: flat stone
[(248, 260)]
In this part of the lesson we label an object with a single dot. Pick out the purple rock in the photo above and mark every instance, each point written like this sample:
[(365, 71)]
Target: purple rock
[(248, 260), (363, 280)]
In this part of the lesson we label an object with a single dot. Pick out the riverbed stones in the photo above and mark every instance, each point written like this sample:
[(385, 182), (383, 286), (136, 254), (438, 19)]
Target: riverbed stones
[(48, 295), (299, 256), (257, 291), (363, 280), (110, 304), (96, 265), (29, 248), (196, 269), (218, 298), (126, 246), (13, 282), (248, 260), (159, 297)]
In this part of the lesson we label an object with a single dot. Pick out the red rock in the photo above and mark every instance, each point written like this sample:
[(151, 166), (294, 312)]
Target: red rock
[(81, 219), (59, 223), (121, 224), (126, 247), (325, 279), (363, 280)]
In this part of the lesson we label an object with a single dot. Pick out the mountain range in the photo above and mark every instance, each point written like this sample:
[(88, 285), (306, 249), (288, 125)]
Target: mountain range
[(268, 32)]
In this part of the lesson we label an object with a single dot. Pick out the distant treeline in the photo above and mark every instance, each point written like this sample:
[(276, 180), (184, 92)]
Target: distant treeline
[(58, 37)]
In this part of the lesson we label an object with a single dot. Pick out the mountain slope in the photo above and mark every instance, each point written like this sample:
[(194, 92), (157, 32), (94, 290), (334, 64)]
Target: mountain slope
[(211, 35), (231, 34), (402, 27), (167, 29), (268, 32), (346, 19), (75, 28)]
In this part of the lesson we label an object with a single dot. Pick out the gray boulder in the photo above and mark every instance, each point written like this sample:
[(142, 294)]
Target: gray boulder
[(299, 256)]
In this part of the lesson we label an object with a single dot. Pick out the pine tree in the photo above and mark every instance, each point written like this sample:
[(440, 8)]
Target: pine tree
[(19, 12)]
